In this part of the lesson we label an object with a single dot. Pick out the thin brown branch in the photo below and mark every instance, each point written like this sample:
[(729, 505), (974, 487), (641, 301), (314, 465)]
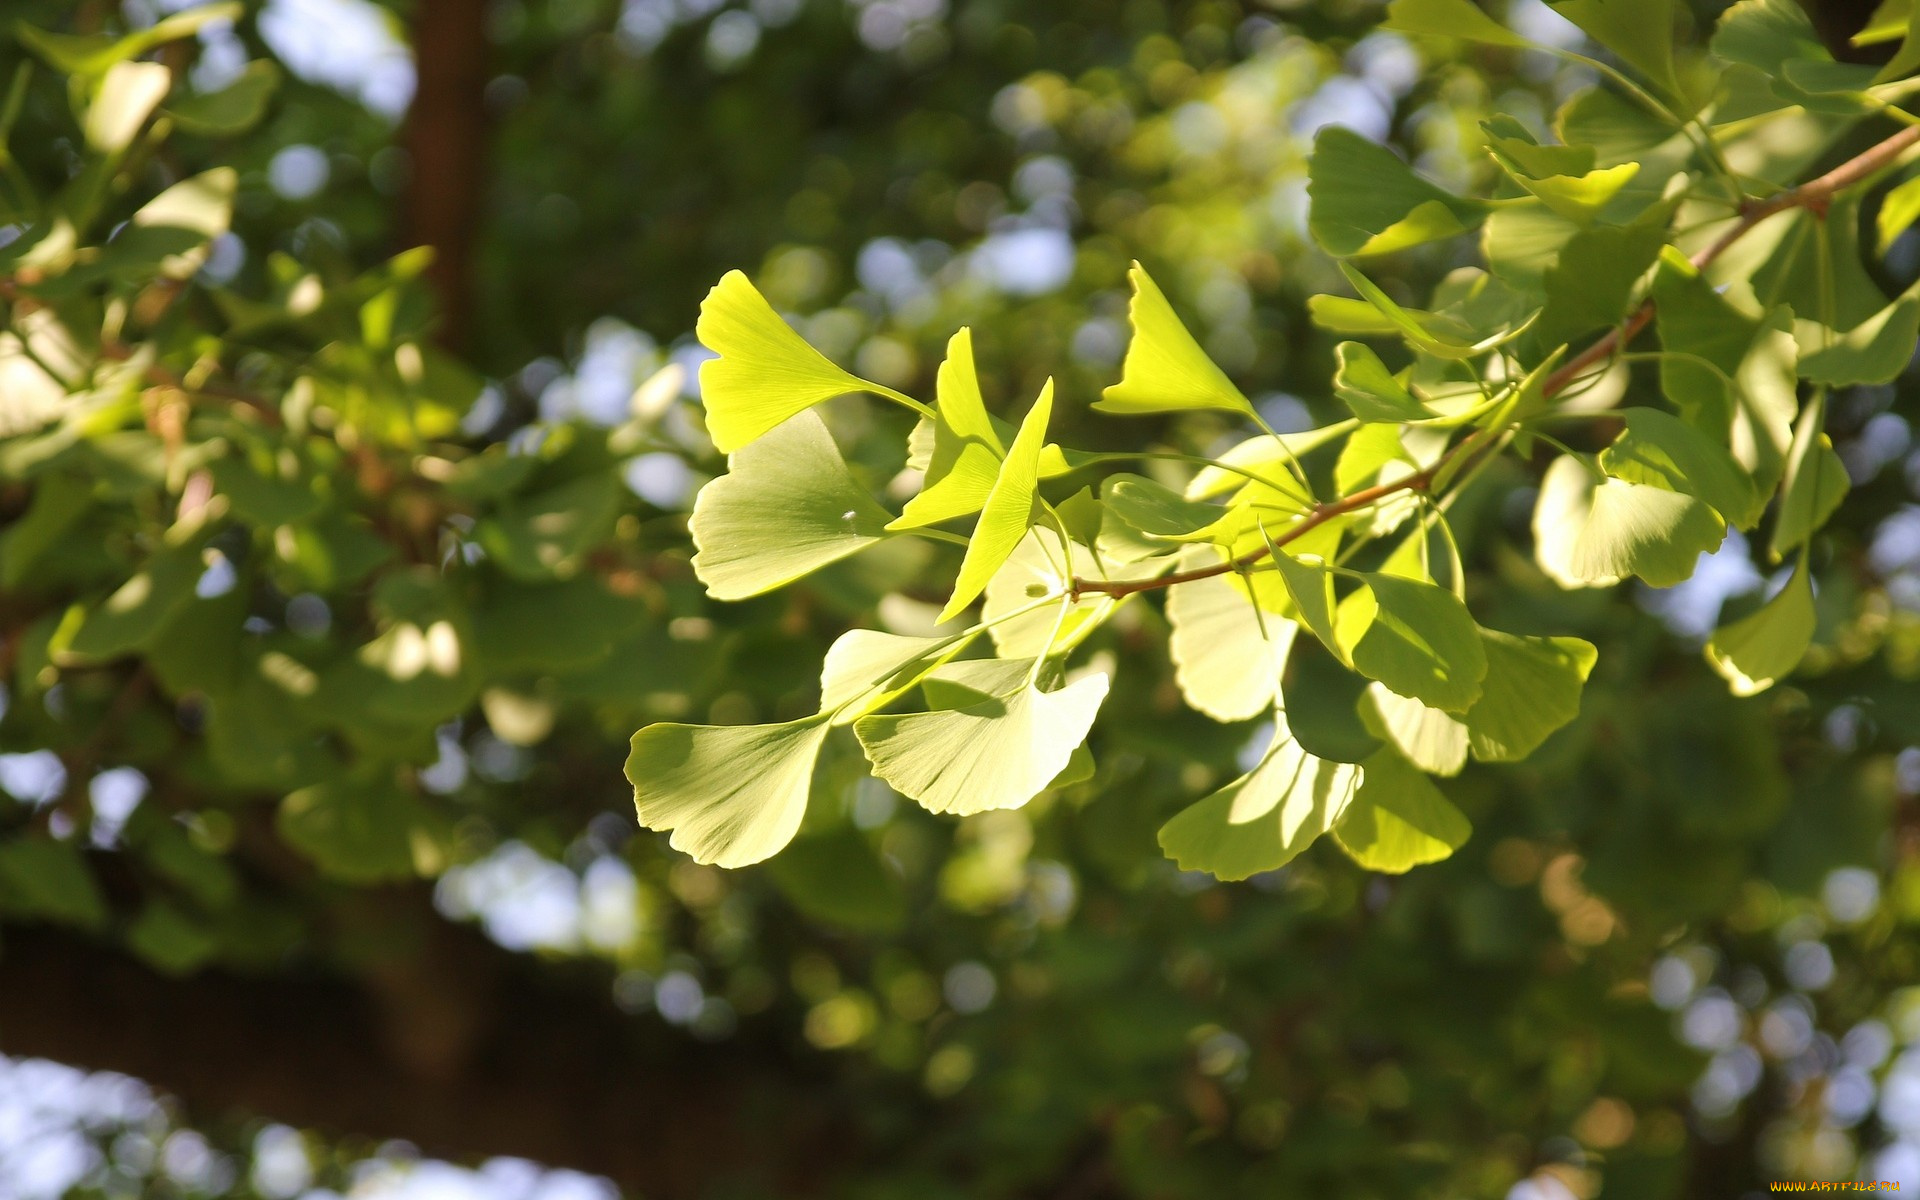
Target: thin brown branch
[(1814, 195)]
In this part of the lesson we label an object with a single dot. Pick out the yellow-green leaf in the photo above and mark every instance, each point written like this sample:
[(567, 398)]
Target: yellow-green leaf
[(787, 506), (731, 794), (1814, 485), (1363, 199), (966, 448), (1227, 656), (1008, 511), (1590, 533), (1165, 369), (1398, 819), (996, 752), (1763, 647), (766, 372), (1263, 819), (1415, 637), (1532, 688)]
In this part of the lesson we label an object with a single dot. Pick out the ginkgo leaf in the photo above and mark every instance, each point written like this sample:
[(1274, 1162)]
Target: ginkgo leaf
[(1763, 647), (1398, 819), (1814, 485), (1156, 510), (1265, 456), (1309, 586), (1450, 18), (1363, 199), (1899, 209), (1532, 688), (865, 669), (1581, 197), (787, 506), (1641, 33), (966, 448), (1661, 450), (997, 752), (128, 94), (1415, 637), (1165, 369), (765, 371), (1227, 656), (1263, 819), (1593, 533), (1363, 382), (1041, 561), (731, 794), (1874, 351), (1008, 512), (1430, 739)]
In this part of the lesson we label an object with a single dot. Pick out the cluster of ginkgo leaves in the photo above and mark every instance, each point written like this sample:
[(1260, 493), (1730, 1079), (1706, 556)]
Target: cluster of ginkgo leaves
[(1668, 221)]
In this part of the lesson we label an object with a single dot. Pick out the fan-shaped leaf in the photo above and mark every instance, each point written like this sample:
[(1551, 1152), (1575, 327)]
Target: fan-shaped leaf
[(1594, 535), (786, 506), (1227, 656), (731, 794), (1165, 369), (1814, 485), (1661, 450), (765, 373), (1432, 740), (1415, 637), (1532, 688), (1450, 18), (1763, 647), (1398, 819), (1365, 200), (1263, 819), (995, 752), (966, 447), (865, 669), (1008, 512), (1363, 382)]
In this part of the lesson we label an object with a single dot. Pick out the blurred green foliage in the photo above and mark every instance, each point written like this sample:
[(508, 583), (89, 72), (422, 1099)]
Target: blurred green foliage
[(295, 607)]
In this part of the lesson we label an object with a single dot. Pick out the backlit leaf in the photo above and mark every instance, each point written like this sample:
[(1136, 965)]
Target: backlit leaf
[(865, 669), (787, 506), (1874, 351), (996, 752), (731, 794), (1431, 739), (1227, 657), (1415, 637), (1165, 369), (765, 373), (1263, 819), (1398, 819), (966, 448), (1590, 533), (1450, 18), (1532, 688), (1663, 451), (1763, 647), (1814, 485), (1363, 382), (1008, 511)]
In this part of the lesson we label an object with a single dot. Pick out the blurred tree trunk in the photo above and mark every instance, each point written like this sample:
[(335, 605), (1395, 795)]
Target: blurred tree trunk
[(446, 136), (453, 1044)]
